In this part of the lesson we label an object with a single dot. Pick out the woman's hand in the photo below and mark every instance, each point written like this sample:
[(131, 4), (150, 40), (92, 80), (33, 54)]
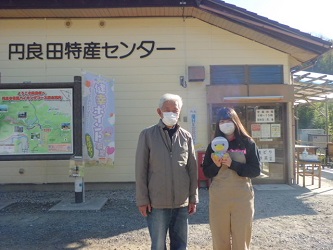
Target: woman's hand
[(217, 160), (226, 160)]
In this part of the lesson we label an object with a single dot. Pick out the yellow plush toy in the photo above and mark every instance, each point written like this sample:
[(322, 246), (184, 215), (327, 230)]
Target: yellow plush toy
[(220, 146)]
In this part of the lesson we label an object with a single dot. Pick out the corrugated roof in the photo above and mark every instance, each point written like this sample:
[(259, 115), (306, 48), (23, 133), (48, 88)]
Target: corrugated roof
[(302, 47), (312, 87)]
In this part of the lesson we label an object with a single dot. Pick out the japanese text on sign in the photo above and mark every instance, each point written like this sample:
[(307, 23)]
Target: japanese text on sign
[(75, 50), (31, 96), (267, 154), (265, 115), (99, 127), (193, 116)]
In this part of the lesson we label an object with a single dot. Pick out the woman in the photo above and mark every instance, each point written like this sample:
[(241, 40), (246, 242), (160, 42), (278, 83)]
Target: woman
[(231, 205)]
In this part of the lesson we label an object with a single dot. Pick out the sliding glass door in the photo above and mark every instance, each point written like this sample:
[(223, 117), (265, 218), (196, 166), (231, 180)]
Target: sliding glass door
[(266, 124)]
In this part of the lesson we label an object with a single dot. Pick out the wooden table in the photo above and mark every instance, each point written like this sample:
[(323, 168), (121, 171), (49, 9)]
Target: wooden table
[(304, 167)]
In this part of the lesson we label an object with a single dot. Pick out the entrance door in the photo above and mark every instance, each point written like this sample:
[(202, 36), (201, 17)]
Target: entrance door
[(266, 124)]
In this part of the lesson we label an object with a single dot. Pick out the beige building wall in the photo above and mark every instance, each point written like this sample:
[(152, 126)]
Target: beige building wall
[(139, 83)]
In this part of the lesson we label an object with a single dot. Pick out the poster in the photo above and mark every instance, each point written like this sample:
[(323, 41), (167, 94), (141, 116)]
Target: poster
[(256, 130), (99, 120)]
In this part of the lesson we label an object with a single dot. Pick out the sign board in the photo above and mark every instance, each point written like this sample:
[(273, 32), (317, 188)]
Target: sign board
[(265, 115), (40, 121), (267, 154)]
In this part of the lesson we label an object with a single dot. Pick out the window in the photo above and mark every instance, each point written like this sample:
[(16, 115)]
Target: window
[(265, 74), (227, 74), (246, 74)]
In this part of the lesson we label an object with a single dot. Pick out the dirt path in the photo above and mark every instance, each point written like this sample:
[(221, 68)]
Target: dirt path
[(296, 218)]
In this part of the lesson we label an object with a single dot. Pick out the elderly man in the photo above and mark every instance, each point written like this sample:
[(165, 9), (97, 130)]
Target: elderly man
[(166, 176)]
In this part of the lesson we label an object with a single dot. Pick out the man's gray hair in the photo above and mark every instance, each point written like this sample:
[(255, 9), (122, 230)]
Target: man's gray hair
[(171, 97)]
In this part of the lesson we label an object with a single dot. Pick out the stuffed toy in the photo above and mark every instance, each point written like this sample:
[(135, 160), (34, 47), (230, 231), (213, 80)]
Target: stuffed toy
[(220, 146)]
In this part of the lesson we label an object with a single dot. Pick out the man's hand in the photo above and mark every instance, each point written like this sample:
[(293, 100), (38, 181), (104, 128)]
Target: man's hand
[(192, 208), (145, 209)]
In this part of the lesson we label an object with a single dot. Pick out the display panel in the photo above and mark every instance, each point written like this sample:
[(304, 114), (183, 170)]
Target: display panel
[(40, 121)]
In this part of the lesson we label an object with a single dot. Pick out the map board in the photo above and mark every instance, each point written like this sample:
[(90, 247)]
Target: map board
[(40, 121)]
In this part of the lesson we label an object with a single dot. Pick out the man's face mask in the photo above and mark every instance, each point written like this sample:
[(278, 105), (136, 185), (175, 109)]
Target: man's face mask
[(170, 118)]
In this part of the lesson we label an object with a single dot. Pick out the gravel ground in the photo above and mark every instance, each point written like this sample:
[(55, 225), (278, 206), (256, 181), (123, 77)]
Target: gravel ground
[(297, 218)]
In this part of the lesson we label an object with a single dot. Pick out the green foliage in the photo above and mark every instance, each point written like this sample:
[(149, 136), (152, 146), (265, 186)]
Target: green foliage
[(305, 113), (324, 64), (314, 116)]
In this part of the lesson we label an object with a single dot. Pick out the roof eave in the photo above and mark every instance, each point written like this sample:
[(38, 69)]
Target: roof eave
[(301, 47)]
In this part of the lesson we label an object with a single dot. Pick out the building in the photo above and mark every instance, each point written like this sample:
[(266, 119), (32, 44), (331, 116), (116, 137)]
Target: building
[(209, 52)]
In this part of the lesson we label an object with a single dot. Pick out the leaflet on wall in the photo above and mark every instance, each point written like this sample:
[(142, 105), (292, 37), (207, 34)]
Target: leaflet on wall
[(37, 120), (275, 130), (261, 130), (99, 120), (265, 130)]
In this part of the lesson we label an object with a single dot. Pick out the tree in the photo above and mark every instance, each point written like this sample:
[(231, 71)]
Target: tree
[(313, 116), (323, 64)]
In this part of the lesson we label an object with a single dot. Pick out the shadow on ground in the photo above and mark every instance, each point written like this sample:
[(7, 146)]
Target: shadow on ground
[(28, 223)]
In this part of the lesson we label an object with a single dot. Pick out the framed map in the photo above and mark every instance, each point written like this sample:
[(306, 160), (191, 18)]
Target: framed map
[(40, 121)]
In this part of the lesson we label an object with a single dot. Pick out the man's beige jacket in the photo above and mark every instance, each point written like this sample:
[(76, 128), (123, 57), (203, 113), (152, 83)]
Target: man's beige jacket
[(166, 170)]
